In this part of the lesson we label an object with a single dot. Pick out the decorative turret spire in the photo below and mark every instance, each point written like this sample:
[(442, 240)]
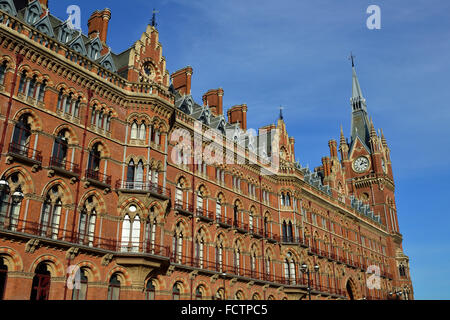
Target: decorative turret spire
[(342, 141), (360, 121), (373, 132), (383, 139)]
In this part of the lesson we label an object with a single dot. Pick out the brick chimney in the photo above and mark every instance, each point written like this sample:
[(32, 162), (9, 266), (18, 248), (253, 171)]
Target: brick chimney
[(214, 99), (238, 114), (98, 23), (181, 80), (332, 144)]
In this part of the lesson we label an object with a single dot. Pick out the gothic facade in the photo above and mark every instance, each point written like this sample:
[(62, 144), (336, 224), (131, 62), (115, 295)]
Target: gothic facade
[(99, 201)]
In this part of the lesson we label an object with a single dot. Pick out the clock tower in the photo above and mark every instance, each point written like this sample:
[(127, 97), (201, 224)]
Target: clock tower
[(366, 161), (368, 173)]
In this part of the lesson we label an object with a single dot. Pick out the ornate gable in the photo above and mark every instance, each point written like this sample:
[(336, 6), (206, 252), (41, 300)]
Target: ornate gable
[(146, 62), (33, 12), (45, 26), (9, 7)]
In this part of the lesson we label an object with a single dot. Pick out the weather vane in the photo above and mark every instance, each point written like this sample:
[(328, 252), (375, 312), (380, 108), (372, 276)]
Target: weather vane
[(154, 24), (352, 58)]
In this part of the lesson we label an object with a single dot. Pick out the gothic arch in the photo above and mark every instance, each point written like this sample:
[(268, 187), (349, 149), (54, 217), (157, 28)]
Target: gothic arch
[(122, 273), (72, 139), (63, 190), (25, 179), (34, 120), (92, 269)]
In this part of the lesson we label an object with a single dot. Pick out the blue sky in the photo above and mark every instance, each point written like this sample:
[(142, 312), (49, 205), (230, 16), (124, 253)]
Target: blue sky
[(295, 53)]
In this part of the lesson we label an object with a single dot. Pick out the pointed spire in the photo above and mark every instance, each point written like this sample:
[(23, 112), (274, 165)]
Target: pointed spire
[(373, 133), (342, 141), (383, 139), (154, 24), (356, 89)]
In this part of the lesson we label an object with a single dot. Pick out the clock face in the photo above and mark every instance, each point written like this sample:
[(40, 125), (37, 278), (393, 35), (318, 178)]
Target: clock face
[(361, 164)]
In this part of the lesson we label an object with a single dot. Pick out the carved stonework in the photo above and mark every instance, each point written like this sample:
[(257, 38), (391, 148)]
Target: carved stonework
[(31, 245), (107, 258), (72, 253)]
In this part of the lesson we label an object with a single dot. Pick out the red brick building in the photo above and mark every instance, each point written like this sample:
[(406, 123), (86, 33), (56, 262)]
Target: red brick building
[(93, 178)]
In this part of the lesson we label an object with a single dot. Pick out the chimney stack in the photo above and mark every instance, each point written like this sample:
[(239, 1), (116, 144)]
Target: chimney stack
[(98, 23), (214, 99), (238, 114), (181, 80)]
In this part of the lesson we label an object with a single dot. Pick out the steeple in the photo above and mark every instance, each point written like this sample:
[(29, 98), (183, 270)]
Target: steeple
[(360, 120)]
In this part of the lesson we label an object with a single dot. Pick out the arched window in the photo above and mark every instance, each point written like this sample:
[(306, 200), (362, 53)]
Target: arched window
[(3, 68), (179, 193), (131, 232), (150, 290), (86, 228), (108, 122), (10, 209), (23, 81), (79, 291), (177, 244), (130, 174), (268, 266), (289, 269), (51, 214), (283, 199), (199, 250), (219, 257), (76, 108), (94, 161), (22, 134), (176, 291), (114, 287), (59, 105), (250, 219), (290, 236), (68, 103), (40, 287), (199, 293), (237, 260), (3, 277), (60, 148), (142, 131), (134, 130), (150, 232), (239, 295), (253, 262), (284, 228)]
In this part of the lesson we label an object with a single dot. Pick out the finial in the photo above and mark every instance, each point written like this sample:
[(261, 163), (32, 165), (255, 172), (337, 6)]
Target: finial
[(352, 58), (281, 112), (154, 24)]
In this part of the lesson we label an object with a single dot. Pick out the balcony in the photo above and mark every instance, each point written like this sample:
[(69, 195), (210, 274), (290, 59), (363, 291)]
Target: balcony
[(25, 154), (271, 237), (205, 215), (292, 240), (143, 187), (64, 167), (98, 179), (183, 208), (257, 232), (224, 222), (240, 226), (56, 234)]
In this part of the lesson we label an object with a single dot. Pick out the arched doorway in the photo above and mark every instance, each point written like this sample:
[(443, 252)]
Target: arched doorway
[(41, 283), (350, 291)]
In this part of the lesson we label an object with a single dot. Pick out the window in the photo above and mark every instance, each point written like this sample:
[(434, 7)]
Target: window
[(134, 130), (40, 287), (80, 289), (22, 133), (150, 290), (114, 287), (42, 88), (3, 68), (22, 82), (3, 277), (176, 291), (60, 148), (142, 131), (51, 213), (9, 209), (86, 229), (150, 233), (219, 257), (289, 269), (131, 232), (199, 293), (237, 260)]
